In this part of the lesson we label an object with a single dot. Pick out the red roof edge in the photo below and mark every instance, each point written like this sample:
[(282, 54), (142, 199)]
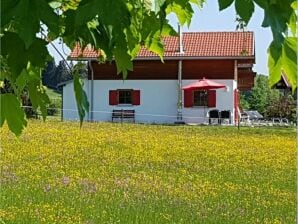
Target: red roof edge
[(285, 79)]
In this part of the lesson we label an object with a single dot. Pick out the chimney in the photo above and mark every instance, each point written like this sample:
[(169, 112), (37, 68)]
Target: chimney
[(180, 40)]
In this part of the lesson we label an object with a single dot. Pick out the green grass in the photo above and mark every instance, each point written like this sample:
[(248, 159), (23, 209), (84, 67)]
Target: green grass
[(56, 100), (112, 173), (53, 94)]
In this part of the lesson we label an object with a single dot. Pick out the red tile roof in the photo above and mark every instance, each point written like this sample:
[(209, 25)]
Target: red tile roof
[(195, 44)]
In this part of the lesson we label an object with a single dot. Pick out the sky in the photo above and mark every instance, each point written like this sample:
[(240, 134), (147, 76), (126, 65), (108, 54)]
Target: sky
[(210, 19)]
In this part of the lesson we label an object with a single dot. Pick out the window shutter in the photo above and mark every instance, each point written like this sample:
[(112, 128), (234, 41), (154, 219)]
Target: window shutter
[(136, 97), (113, 97), (212, 98), (188, 98)]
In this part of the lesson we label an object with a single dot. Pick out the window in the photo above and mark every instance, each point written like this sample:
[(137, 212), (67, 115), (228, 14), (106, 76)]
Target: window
[(125, 96), (200, 98)]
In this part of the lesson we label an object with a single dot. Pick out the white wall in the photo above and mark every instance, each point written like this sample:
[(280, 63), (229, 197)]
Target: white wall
[(69, 101), (158, 100)]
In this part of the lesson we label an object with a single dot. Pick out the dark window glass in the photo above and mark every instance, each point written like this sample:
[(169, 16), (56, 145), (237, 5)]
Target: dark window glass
[(200, 98), (125, 96)]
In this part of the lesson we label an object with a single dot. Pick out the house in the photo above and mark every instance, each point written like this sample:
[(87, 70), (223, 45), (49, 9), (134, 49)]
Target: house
[(154, 89), (283, 85)]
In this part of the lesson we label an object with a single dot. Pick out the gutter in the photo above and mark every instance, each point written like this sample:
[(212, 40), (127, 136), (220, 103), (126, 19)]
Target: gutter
[(92, 90), (152, 58)]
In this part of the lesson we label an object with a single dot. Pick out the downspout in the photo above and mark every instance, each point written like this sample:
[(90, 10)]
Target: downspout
[(92, 91), (235, 93), (179, 106), (62, 104), (236, 72), (179, 109)]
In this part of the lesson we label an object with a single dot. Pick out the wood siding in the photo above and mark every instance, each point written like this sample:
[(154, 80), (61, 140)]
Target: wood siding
[(246, 80), (151, 70), (210, 69), (191, 69)]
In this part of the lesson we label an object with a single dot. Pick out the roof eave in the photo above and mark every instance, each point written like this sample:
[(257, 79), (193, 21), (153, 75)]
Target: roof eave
[(82, 58), (64, 83), (170, 58), (194, 57)]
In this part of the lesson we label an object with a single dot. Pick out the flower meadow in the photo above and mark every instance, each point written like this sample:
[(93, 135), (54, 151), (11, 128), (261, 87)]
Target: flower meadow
[(57, 172)]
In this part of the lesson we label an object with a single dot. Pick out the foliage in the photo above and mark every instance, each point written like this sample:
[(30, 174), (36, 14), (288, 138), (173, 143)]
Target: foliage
[(52, 109), (284, 107), (27, 105), (81, 97), (244, 103), (53, 75), (262, 95), (269, 102), (147, 174), (119, 28)]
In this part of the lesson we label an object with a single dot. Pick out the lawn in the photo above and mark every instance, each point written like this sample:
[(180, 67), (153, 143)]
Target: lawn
[(112, 173)]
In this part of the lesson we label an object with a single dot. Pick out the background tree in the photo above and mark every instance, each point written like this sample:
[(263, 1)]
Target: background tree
[(284, 107), (119, 28), (53, 75), (49, 78), (269, 102), (262, 95)]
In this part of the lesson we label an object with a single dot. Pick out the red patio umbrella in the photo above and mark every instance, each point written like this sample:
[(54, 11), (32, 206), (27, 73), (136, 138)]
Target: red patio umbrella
[(204, 84)]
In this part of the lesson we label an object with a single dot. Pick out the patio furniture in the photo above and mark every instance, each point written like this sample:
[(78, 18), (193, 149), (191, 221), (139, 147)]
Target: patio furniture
[(214, 115), (225, 115), (123, 114)]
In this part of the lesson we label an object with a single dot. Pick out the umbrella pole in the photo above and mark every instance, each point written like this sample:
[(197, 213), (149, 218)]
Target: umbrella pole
[(205, 93)]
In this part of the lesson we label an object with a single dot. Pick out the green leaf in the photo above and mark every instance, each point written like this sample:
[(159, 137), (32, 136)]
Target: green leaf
[(183, 11), (283, 58), (293, 24), (12, 47), (109, 12), (27, 16), (38, 97), (158, 5), (294, 5), (223, 4), (155, 45), (55, 4), (46, 14), (277, 16), (81, 98), (39, 59), (123, 61), (7, 12), (31, 78), (199, 3), (262, 3), (289, 64), (21, 81), (274, 62), (244, 9), (18, 57), (12, 113), (168, 30)]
